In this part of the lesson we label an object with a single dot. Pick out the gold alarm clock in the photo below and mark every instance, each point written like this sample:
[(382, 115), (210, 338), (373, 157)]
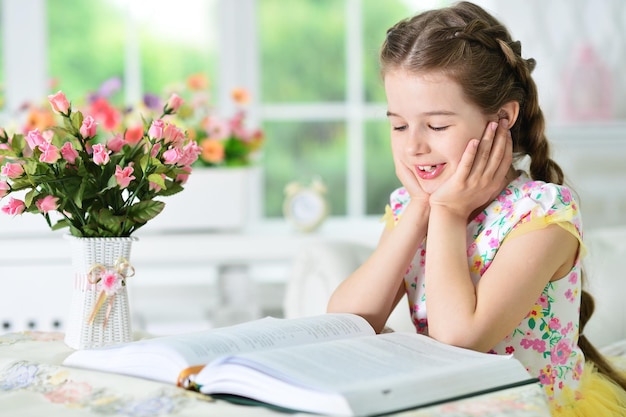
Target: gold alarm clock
[(305, 206)]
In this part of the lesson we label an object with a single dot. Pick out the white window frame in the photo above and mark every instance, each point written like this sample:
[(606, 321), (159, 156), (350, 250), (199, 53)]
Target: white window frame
[(27, 80)]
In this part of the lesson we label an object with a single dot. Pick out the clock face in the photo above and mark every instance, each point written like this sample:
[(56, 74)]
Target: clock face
[(306, 209)]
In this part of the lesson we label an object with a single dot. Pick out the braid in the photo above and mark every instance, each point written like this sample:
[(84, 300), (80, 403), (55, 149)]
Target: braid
[(532, 141), (587, 306)]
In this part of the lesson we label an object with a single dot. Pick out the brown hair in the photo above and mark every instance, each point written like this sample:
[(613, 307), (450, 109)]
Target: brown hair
[(473, 48)]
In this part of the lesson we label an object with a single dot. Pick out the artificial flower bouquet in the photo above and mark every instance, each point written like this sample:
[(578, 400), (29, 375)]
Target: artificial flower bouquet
[(224, 140), (98, 184)]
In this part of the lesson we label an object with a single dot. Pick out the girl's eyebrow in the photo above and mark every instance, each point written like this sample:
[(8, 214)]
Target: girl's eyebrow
[(428, 113)]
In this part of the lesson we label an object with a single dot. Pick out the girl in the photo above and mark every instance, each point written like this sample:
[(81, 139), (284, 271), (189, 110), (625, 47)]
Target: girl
[(490, 256)]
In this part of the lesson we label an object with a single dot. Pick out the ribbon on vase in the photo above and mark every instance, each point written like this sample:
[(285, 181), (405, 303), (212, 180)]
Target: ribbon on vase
[(111, 282)]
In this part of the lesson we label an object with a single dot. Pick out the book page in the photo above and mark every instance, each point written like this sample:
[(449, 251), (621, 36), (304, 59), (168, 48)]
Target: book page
[(384, 372), (163, 358)]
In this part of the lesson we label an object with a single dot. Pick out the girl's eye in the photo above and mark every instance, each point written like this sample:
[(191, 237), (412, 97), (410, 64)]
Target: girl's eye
[(438, 128), (399, 128)]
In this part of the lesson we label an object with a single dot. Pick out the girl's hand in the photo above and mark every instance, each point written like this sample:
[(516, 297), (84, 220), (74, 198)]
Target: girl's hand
[(481, 174), (411, 184)]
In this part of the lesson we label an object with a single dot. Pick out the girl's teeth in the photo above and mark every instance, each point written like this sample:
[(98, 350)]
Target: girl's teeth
[(427, 168)]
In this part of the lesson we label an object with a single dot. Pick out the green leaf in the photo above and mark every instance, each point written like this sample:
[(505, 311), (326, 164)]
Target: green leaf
[(158, 180), (145, 210), (77, 120), (61, 224), (531, 323)]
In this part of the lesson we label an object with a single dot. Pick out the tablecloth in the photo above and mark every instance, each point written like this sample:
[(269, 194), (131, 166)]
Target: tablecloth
[(34, 383)]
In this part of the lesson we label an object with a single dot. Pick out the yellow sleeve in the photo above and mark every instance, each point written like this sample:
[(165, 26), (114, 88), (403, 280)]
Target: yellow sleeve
[(563, 219)]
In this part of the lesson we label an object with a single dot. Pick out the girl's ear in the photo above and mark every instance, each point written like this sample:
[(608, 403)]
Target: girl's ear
[(509, 111)]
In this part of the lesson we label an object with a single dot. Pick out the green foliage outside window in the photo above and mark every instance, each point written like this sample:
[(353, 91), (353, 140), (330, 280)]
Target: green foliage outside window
[(87, 44), (302, 60)]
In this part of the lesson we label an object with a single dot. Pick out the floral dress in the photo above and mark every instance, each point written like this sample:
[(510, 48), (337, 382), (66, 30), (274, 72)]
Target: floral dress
[(546, 340)]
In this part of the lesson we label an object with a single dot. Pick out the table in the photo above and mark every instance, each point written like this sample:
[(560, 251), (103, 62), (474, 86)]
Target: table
[(34, 383)]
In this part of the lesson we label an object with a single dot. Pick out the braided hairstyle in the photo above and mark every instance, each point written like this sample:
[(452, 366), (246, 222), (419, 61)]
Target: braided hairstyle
[(471, 47)]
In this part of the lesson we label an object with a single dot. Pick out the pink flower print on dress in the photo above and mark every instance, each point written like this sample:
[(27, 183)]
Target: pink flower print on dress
[(543, 301), (421, 325), (560, 352), (554, 323), (567, 329), (573, 277), (571, 295), (547, 376), (535, 344)]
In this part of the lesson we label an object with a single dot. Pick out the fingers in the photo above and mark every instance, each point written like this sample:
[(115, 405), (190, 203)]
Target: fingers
[(494, 154), (484, 151), (504, 145)]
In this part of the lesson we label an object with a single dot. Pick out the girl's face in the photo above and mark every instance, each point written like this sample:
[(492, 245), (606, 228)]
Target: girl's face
[(431, 124)]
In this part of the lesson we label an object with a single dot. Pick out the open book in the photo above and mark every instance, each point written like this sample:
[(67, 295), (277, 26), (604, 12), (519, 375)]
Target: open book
[(328, 364)]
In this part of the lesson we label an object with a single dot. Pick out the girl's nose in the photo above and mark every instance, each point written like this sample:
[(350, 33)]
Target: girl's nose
[(416, 144)]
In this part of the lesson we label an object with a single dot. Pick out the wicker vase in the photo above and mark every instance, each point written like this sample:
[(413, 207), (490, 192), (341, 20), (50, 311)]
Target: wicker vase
[(99, 313)]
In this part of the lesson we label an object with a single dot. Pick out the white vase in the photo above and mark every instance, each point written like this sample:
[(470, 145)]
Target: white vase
[(92, 323), (214, 200)]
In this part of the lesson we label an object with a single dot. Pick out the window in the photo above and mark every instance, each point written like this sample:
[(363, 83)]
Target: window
[(148, 45), (322, 100)]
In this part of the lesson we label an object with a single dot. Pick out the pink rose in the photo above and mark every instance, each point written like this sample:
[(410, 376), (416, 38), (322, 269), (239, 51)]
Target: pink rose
[(100, 154), (49, 153), (174, 103), (12, 170), (116, 143), (69, 153), (124, 176), (48, 135), (46, 204), (34, 138), (59, 102), (156, 129), (14, 207), (171, 156), (88, 128), (155, 150), (173, 135), (182, 178), (190, 154), (4, 188)]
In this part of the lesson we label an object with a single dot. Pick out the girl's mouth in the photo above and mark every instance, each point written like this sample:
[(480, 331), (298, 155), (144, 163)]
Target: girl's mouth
[(428, 172)]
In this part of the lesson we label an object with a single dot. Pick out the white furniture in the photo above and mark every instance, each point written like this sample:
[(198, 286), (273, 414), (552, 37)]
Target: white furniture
[(183, 281)]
